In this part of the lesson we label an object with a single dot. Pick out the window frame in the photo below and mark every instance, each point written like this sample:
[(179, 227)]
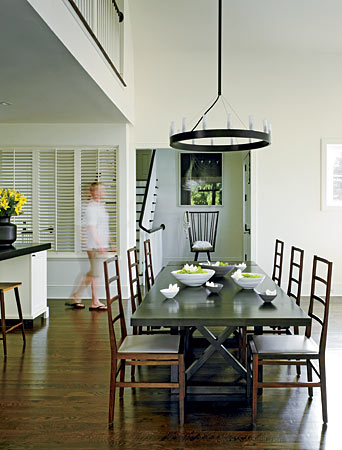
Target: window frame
[(325, 143)]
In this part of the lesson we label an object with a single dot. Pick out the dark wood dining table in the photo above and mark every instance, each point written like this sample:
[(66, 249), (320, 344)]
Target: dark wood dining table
[(195, 308)]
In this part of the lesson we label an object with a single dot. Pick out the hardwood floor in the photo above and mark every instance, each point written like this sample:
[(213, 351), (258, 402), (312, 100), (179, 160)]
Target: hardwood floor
[(55, 395)]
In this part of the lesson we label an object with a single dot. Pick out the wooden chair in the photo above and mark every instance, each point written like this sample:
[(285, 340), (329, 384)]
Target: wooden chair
[(278, 262), (134, 283), (202, 228), (294, 289), (135, 291), (4, 287), (138, 350), (294, 349), (149, 276)]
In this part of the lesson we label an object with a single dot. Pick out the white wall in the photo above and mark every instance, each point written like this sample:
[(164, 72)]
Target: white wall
[(64, 22), (62, 272), (299, 92), (168, 211)]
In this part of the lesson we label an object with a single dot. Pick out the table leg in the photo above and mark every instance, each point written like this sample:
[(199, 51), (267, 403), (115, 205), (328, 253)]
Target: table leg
[(216, 345)]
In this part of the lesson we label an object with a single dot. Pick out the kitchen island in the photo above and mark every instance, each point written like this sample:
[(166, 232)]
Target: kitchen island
[(26, 263)]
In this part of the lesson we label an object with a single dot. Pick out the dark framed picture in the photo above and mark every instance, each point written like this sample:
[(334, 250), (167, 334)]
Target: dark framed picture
[(201, 179)]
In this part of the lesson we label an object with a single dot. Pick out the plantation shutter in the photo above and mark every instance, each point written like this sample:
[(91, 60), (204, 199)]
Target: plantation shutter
[(99, 165), (65, 196), (57, 199), (107, 176), (16, 172)]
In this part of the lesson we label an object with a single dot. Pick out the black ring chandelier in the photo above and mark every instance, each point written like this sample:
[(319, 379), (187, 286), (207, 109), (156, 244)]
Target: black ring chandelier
[(192, 140)]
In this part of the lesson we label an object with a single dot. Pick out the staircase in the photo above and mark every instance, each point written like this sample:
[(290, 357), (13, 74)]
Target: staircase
[(141, 185)]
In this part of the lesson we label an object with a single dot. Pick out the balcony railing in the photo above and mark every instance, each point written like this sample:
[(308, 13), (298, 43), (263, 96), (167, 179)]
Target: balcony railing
[(102, 20)]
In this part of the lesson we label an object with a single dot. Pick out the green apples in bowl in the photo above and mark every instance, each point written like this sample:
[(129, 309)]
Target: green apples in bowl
[(192, 275)]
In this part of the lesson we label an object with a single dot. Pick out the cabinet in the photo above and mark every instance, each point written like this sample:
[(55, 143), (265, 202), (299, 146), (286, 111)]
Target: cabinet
[(30, 269)]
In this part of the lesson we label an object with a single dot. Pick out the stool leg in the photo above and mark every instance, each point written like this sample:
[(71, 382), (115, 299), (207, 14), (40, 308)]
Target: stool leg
[(3, 321), (17, 298)]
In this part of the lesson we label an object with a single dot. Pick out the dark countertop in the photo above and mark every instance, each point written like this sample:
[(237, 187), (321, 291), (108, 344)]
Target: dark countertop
[(22, 249)]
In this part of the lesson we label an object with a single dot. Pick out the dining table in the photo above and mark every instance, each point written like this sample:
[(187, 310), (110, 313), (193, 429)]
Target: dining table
[(195, 308)]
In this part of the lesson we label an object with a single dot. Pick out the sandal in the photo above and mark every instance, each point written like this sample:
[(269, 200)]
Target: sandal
[(75, 305)]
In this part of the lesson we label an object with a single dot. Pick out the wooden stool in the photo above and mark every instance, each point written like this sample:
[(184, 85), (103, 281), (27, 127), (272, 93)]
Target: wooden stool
[(3, 288)]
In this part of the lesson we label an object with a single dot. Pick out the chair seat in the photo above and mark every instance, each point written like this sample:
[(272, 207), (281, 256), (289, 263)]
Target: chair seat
[(284, 346), (202, 245), (7, 286), (150, 344)]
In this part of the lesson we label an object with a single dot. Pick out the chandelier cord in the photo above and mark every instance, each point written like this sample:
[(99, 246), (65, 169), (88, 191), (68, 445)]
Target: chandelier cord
[(210, 107), (118, 12)]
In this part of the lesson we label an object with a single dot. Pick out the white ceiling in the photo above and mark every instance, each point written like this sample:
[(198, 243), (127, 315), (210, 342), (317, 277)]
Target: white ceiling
[(283, 25), (42, 80)]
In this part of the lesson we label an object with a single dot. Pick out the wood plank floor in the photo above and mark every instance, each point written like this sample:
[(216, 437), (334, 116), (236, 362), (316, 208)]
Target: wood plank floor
[(55, 395)]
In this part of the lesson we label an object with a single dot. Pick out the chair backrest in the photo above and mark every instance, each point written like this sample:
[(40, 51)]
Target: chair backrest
[(202, 226), (148, 264), (278, 261), (134, 282), (294, 287), (111, 265), (326, 266)]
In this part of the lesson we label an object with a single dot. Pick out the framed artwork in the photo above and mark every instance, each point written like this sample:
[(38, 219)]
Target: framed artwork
[(331, 174), (200, 179)]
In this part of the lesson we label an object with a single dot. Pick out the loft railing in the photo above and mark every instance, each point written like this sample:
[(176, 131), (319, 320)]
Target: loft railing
[(145, 199), (104, 22)]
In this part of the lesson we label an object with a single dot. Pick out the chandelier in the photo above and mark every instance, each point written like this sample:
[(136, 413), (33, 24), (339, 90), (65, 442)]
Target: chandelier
[(217, 139)]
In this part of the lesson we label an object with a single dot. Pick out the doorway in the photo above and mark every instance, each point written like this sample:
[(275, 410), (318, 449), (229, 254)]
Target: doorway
[(246, 220)]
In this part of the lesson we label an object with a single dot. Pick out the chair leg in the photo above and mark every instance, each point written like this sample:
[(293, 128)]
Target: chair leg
[(323, 390), (255, 388), (17, 299), (132, 372), (249, 379), (244, 346), (112, 387), (196, 256), (298, 370), (3, 322), (181, 381), (122, 376), (309, 375), (208, 253), (260, 376)]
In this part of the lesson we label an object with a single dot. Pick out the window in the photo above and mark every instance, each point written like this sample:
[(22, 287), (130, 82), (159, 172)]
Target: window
[(331, 174), (55, 182)]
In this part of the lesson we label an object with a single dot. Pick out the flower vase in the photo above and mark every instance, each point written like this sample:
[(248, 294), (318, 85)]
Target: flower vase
[(8, 232)]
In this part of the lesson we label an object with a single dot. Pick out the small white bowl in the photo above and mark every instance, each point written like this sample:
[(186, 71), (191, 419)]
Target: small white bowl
[(242, 267), (193, 279), (249, 283), (266, 298), (214, 289), (169, 294)]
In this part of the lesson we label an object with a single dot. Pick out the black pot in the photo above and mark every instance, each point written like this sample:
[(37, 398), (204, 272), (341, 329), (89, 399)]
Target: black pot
[(8, 232)]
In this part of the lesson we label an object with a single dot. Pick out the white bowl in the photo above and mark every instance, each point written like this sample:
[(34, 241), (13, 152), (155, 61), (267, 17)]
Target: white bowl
[(193, 279), (249, 283), (214, 289), (266, 298), (169, 294), (220, 271)]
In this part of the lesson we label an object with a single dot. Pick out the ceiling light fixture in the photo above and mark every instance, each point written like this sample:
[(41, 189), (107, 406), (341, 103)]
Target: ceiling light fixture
[(240, 139), (5, 103)]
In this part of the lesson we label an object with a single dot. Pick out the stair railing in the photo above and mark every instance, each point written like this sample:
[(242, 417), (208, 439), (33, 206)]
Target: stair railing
[(146, 194)]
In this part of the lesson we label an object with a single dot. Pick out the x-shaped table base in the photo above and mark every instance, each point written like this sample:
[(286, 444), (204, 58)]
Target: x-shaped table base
[(216, 345)]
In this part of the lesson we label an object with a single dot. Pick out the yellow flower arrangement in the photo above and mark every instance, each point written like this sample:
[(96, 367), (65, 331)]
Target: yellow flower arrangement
[(11, 202)]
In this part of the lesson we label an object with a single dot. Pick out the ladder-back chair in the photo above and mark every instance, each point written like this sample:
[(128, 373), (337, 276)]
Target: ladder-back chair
[(137, 350), (202, 228), (148, 264), (294, 289), (278, 262), (294, 349)]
